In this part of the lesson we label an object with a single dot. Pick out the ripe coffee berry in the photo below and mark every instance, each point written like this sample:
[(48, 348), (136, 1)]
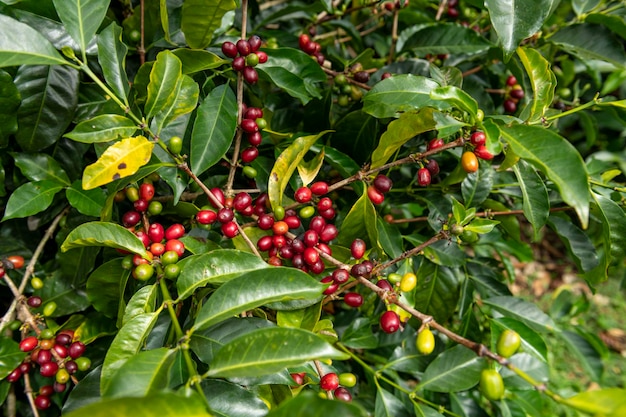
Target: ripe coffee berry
[(239, 63), (42, 402), (262, 57), (332, 288), (176, 246), (71, 366), (303, 195), (319, 188), (389, 322), (230, 229), (254, 42), (358, 270), (329, 233), (310, 256), (375, 195), (243, 47), (310, 238), (48, 369), (303, 41), (249, 154), (229, 49), (353, 299), (509, 106), (293, 221), (435, 144), (469, 162), (249, 126), (357, 248), (265, 222), (342, 394), (131, 218), (34, 301), (517, 93), (478, 138), (29, 343), (298, 378), (280, 227), (15, 375), (433, 167), (483, 153), (341, 275), (146, 191), (384, 284), (242, 201), (382, 183), (329, 382), (250, 75), (175, 231), (423, 177), (511, 80), (361, 76), (255, 138), (206, 216)]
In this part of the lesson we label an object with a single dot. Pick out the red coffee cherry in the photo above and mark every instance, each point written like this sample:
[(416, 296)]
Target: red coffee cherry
[(265, 222), (219, 196), (42, 402), (16, 261), (175, 231), (253, 113), (385, 75), (517, 93), (433, 167), (510, 106), (254, 42), (483, 153), (131, 218), (310, 256), (353, 299), (249, 126), (15, 375), (255, 138), (243, 47), (341, 275), (319, 188), (384, 284), (435, 144), (242, 201), (34, 301), (324, 204), (249, 154), (375, 195), (292, 221), (229, 49), (358, 270), (478, 138), (230, 229), (511, 80), (225, 215), (382, 183), (342, 394), (206, 216), (361, 76), (77, 349), (146, 191), (329, 382), (63, 339), (262, 57), (423, 177), (176, 246), (156, 232), (329, 233), (250, 75), (310, 238), (303, 41), (332, 288), (357, 248), (390, 322), (48, 369), (303, 195), (239, 63), (265, 243), (298, 378)]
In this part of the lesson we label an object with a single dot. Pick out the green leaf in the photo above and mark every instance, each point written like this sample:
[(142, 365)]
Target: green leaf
[(400, 131), (614, 22), (542, 81), (399, 94), (233, 400), (578, 243), (216, 268), (10, 356), (195, 60), (103, 234), (185, 100), (162, 404), (456, 98), (213, 129), (437, 289), (102, 128), (200, 18), (40, 167), (87, 202), (456, 369), (308, 170), (309, 404), (587, 355), (303, 318), (68, 298), (10, 100), (557, 159), (81, 18), (286, 164), (533, 367), (535, 203), (257, 288), (360, 222), (294, 72), (532, 342), (444, 38), (481, 226), (126, 344), (524, 311), (145, 373), (516, 20), (31, 198), (164, 78), (20, 44), (601, 402), (359, 334), (276, 349), (86, 392), (476, 188), (112, 59), (356, 134), (120, 160), (389, 237), (143, 301), (387, 405), (105, 287), (591, 41), (49, 98), (94, 327)]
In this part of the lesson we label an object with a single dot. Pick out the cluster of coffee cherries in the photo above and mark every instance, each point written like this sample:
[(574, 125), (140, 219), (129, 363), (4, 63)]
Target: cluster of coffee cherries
[(394, 5), (431, 168), (246, 56), (311, 47), (338, 384), (58, 356), (513, 94), (252, 124), (452, 9), (346, 90), (378, 188), (9, 263), (164, 245), (223, 210), (469, 159)]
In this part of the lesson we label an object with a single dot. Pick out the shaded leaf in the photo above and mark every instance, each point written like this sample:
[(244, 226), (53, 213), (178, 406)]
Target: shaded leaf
[(49, 98), (577, 242), (10, 100), (387, 405), (400, 131), (215, 267), (164, 78), (120, 160), (196, 60), (444, 38), (456, 369), (524, 311), (213, 129), (102, 128), (476, 188), (308, 404), (558, 159), (39, 167), (112, 59), (87, 202), (286, 164), (233, 400), (103, 234), (535, 203), (542, 81), (10, 356), (20, 44), (360, 222), (31, 198), (105, 287), (437, 289), (277, 348), (591, 41), (143, 301), (68, 298), (257, 288)]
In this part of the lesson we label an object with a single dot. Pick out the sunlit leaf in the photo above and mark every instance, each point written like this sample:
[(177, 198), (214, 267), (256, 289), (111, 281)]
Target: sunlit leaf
[(456, 369), (145, 373), (31, 198), (200, 18), (103, 234), (20, 44), (81, 18)]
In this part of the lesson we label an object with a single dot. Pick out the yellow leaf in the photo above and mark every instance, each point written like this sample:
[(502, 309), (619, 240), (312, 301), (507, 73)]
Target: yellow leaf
[(120, 160)]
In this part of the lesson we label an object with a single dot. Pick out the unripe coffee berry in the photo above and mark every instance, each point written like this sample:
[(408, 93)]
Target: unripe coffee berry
[(491, 384), (508, 343), (425, 342)]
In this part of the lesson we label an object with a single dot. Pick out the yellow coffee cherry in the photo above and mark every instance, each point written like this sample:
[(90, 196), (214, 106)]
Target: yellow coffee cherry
[(425, 342), (408, 282)]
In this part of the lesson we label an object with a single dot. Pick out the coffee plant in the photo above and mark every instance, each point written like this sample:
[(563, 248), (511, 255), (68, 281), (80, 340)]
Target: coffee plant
[(289, 208)]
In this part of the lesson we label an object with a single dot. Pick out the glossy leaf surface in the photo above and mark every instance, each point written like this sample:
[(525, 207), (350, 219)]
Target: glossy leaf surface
[(103, 234), (20, 44)]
